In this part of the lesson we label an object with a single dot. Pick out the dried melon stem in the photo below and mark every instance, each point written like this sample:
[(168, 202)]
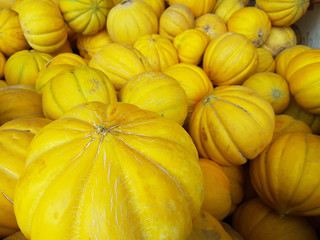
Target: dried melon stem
[(102, 130)]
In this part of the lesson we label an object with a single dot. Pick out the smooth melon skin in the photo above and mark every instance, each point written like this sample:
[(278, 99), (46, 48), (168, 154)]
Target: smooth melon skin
[(111, 172), (43, 25)]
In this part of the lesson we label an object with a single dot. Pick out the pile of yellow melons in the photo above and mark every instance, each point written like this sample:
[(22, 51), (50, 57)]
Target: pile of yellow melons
[(158, 120)]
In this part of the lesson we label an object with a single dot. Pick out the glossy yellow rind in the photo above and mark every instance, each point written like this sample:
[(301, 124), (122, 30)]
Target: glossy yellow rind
[(42, 24), (283, 12), (130, 20), (284, 58), (225, 8), (231, 125), (158, 50), (175, 19), (252, 23), (112, 172), (190, 45), (286, 174), (65, 48), (30, 125), (120, 62), (12, 38), (72, 59), (230, 59), (158, 6), (198, 8), (19, 101), (301, 60), (89, 45), (23, 67), (302, 74), (15, 137), (193, 80), (75, 86), (49, 73), (285, 123), (156, 92), (217, 199), (266, 62), (272, 87), (254, 220), (86, 16), (14, 144), (212, 24), (236, 176)]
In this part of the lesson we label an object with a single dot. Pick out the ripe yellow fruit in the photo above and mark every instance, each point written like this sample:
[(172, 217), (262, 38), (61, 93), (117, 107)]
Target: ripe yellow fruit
[(194, 81), (217, 199), (191, 45), (120, 62), (23, 67), (283, 13), (158, 50), (222, 122), (43, 25), (272, 87), (75, 86), (157, 92), (266, 62), (280, 38), (211, 24), (198, 8), (230, 59), (88, 45), (252, 23), (130, 20), (225, 8), (174, 20), (12, 38), (86, 16)]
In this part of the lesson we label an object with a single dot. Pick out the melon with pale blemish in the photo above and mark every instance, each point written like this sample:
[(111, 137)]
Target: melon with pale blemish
[(73, 86), (109, 172), (231, 125)]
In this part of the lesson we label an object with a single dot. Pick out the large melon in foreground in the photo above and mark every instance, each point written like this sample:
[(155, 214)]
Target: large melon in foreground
[(109, 172)]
